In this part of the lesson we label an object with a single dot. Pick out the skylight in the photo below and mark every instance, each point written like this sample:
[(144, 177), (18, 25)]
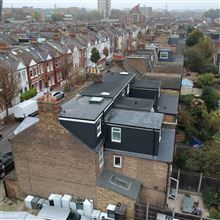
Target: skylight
[(117, 181), (13, 52), (96, 100), (124, 73), (105, 93)]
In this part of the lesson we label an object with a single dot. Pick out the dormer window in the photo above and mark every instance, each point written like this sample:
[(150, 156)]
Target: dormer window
[(99, 127), (116, 135)]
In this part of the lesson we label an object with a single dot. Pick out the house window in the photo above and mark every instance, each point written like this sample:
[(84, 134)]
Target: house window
[(117, 161), (116, 135), (128, 89), (164, 55), (99, 127), (101, 157)]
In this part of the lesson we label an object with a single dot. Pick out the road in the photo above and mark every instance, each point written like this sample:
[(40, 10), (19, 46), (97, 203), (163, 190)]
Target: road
[(4, 143)]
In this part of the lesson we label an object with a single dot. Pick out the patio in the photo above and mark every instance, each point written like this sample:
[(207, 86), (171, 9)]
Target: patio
[(177, 203)]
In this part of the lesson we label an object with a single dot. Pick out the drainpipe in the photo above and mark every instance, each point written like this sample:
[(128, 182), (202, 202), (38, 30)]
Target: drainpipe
[(169, 170)]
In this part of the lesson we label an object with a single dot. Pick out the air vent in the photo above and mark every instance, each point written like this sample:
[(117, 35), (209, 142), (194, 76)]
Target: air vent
[(105, 93), (96, 100), (124, 73)]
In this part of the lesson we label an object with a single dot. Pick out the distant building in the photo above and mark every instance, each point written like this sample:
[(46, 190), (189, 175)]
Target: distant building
[(146, 11), (104, 8), (1, 3)]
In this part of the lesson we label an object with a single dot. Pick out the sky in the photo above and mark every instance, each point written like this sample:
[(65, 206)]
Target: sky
[(157, 4)]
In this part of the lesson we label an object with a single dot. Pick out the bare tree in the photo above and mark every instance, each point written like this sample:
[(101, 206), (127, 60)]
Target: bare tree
[(9, 87)]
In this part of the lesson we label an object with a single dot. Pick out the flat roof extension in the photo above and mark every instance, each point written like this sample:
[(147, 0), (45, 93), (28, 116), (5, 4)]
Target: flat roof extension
[(148, 120), (82, 108), (110, 86)]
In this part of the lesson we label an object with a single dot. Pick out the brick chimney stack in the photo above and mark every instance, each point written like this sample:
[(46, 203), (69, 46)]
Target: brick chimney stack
[(48, 109)]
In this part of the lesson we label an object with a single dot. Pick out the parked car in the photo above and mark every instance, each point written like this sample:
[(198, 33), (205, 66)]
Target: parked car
[(57, 95), (6, 164)]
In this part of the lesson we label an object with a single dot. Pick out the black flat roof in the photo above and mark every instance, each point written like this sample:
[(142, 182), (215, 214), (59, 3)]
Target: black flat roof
[(168, 104), (120, 184), (81, 108), (135, 118), (134, 103), (112, 83), (147, 84)]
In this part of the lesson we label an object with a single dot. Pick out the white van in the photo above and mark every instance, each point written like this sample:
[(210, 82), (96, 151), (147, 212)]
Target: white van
[(26, 108)]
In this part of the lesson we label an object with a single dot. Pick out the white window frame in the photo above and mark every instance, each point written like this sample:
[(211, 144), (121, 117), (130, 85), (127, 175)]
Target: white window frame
[(162, 57), (115, 165), (114, 129), (160, 136), (101, 157), (128, 89), (99, 127)]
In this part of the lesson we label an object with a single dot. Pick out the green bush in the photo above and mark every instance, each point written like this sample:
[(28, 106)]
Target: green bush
[(191, 132), (66, 87), (214, 213), (209, 68), (210, 199), (186, 99), (29, 94), (206, 79)]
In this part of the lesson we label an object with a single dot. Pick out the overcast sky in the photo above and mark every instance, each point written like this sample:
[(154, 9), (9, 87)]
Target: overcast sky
[(172, 4)]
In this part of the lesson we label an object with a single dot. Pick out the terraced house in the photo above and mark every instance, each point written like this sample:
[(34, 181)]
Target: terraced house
[(109, 144)]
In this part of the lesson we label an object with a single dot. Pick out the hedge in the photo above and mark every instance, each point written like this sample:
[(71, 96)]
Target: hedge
[(29, 94)]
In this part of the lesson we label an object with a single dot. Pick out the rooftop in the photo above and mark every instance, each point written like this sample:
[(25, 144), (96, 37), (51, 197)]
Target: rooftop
[(135, 118), (134, 103), (147, 84), (84, 107), (168, 104), (111, 85), (120, 184)]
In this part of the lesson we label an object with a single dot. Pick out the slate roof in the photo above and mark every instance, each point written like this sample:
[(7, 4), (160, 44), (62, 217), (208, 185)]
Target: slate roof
[(134, 118), (118, 183), (112, 83)]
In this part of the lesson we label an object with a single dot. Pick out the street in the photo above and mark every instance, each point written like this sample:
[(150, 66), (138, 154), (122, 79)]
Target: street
[(4, 143)]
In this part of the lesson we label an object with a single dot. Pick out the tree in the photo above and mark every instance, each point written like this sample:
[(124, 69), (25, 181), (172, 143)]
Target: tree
[(204, 160), (209, 68), (95, 56), (57, 17), (199, 110), (106, 51), (9, 86), (206, 45), (212, 13), (194, 37), (194, 59), (210, 97), (206, 79), (37, 16)]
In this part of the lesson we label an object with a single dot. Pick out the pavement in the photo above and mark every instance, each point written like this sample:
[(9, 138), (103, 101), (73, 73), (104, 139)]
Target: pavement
[(5, 146)]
